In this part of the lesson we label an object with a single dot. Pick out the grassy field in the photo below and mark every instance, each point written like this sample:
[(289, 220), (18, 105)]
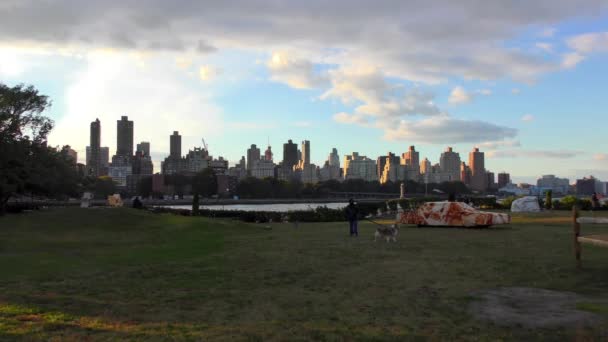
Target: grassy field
[(108, 274)]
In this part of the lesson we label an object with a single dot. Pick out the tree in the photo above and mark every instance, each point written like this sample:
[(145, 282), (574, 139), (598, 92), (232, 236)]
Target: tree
[(27, 165), (104, 187), (548, 199), (204, 183), (144, 186)]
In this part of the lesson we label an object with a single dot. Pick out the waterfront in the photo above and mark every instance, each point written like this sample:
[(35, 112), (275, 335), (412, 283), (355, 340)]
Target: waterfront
[(276, 207)]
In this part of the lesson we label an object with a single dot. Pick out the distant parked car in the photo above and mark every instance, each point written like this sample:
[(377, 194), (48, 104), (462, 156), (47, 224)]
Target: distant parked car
[(452, 214)]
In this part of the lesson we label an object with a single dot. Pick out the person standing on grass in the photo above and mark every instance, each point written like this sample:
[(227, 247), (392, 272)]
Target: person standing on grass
[(352, 214), (595, 202)]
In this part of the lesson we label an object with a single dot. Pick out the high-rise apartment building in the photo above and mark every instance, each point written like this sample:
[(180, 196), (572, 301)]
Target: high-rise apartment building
[(124, 137), (94, 158), (175, 145), (360, 167), (449, 163), (465, 173), (290, 155), (555, 184), (411, 160), (503, 179), (268, 154), (334, 158), (383, 160), (478, 171), (143, 147), (306, 152), (253, 156)]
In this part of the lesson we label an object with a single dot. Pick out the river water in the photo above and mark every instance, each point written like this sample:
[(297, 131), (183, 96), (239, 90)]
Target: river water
[(278, 207)]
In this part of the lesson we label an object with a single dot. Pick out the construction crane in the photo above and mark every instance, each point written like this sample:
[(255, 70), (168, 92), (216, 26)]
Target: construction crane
[(205, 145)]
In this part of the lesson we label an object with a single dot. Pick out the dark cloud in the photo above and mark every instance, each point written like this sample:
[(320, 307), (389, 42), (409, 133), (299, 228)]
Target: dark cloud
[(418, 40)]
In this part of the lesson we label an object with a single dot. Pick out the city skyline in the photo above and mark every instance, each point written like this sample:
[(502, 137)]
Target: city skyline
[(525, 84)]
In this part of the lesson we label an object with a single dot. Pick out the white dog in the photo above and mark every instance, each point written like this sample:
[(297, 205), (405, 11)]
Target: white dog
[(388, 234)]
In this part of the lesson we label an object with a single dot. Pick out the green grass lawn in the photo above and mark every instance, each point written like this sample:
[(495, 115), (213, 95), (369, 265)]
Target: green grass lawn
[(108, 274)]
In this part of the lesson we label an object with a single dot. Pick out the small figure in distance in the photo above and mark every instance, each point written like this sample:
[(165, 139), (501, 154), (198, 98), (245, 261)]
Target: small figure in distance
[(595, 202), (137, 203), (352, 215)]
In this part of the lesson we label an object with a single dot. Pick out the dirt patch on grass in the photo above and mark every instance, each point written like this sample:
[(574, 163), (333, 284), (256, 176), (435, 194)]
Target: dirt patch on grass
[(531, 308)]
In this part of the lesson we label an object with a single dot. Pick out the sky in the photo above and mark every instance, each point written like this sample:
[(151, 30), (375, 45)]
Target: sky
[(525, 81)]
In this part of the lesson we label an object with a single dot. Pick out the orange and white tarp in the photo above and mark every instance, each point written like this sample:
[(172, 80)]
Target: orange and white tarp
[(452, 214)]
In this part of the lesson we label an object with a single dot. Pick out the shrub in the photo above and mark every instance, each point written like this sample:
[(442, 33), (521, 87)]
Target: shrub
[(506, 203), (548, 200)]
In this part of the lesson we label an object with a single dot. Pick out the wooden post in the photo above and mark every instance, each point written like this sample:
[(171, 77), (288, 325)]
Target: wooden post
[(577, 232)]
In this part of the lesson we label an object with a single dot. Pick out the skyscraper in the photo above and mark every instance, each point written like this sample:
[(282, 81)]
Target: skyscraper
[(93, 161), (306, 152), (334, 158), (253, 156), (268, 154), (503, 179), (478, 171), (290, 155), (124, 137), (144, 147), (175, 145), (449, 163), (411, 157)]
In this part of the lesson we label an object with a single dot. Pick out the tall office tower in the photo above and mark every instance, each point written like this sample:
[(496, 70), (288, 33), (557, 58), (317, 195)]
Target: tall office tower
[(381, 162), (334, 158), (253, 156), (104, 153), (175, 145), (144, 147), (242, 163), (306, 152), (290, 155), (490, 180), (503, 179), (94, 158), (465, 173), (478, 171), (411, 157), (449, 163), (268, 154), (425, 166), (124, 137)]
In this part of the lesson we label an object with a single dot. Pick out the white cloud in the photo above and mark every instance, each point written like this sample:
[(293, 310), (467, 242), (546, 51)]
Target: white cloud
[(527, 118), (111, 85), (547, 32), (401, 38), (600, 156), (547, 47), (570, 60), (297, 73), (589, 42), (366, 87), (208, 72), (582, 45), (459, 95), (447, 130), (494, 145), (515, 91)]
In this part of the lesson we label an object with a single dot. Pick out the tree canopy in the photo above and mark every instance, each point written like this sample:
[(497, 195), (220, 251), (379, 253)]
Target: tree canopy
[(27, 164)]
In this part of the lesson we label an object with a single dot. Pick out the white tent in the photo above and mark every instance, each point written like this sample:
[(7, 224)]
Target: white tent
[(525, 204)]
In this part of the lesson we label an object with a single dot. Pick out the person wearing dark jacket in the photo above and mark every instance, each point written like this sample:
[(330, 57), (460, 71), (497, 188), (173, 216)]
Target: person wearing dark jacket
[(352, 214)]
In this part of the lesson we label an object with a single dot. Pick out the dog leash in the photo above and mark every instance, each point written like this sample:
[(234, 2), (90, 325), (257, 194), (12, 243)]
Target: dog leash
[(376, 223)]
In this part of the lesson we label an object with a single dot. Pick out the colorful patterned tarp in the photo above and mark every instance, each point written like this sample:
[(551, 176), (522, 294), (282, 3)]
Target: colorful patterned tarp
[(452, 214)]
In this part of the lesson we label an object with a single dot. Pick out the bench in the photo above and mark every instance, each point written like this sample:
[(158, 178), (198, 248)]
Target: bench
[(597, 239)]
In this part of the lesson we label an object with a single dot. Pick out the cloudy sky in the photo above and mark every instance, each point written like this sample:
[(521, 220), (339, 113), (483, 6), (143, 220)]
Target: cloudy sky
[(523, 80)]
